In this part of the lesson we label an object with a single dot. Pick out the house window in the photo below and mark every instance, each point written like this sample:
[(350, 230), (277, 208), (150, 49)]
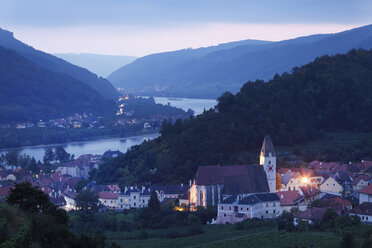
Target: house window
[(274, 204), (247, 209), (143, 201), (111, 201), (224, 215), (366, 217), (221, 207), (274, 211), (267, 211), (333, 184), (134, 204), (105, 201), (241, 209), (267, 204), (269, 161), (121, 200), (134, 197), (229, 208)]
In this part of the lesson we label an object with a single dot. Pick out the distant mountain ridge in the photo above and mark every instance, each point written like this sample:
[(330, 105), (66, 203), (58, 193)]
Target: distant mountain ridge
[(102, 65), (48, 61), (29, 92), (208, 72)]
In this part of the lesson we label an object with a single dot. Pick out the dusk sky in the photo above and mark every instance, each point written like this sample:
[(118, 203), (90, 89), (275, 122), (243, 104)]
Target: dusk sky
[(142, 27)]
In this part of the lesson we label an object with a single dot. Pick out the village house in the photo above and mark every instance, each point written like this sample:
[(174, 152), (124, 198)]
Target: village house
[(330, 185), (214, 183), (234, 209), (108, 199), (310, 193), (69, 197), (134, 197), (360, 182), (312, 216), (171, 192), (291, 200), (364, 211), (365, 194)]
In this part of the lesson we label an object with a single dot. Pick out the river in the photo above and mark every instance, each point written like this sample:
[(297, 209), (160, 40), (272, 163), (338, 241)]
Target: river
[(121, 144)]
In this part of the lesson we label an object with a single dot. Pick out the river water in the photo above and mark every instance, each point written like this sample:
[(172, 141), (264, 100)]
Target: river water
[(121, 144)]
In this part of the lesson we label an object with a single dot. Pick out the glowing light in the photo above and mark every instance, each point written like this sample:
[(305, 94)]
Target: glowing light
[(305, 180), (181, 209)]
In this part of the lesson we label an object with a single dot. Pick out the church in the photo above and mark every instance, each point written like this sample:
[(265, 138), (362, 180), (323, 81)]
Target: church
[(215, 184)]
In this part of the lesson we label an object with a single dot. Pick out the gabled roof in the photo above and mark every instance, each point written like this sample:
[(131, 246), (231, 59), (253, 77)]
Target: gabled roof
[(359, 178), (367, 190), (289, 198), (309, 191), (113, 187), (267, 147), (365, 208)]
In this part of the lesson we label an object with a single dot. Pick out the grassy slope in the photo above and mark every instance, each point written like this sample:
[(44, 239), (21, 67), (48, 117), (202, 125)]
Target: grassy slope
[(227, 236)]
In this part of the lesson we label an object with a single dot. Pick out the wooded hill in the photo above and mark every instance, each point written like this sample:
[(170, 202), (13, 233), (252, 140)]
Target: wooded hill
[(208, 72), (329, 94), (29, 92)]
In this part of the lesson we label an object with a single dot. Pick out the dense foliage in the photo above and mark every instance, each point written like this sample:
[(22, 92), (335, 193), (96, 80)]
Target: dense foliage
[(29, 92), (33, 221), (330, 94)]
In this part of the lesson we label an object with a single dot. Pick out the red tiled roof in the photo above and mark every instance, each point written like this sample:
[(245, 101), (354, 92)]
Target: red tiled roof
[(309, 191), (114, 187), (108, 195), (288, 198), (365, 208), (358, 178), (367, 190)]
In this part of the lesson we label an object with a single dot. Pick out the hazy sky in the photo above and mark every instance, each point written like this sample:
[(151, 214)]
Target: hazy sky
[(140, 27)]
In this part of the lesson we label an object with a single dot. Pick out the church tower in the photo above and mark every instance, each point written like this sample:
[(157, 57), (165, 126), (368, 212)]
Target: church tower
[(268, 161)]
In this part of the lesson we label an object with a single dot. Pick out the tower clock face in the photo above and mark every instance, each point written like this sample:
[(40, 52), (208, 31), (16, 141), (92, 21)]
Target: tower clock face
[(270, 168)]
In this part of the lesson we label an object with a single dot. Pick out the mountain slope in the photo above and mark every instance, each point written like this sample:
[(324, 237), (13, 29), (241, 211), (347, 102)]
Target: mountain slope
[(100, 64), (29, 92), (48, 61), (209, 75), (330, 94)]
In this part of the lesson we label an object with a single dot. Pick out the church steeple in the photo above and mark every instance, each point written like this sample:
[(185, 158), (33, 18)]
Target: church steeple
[(267, 147), (268, 161)]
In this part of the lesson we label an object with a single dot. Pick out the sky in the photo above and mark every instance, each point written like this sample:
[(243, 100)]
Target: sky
[(141, 27)]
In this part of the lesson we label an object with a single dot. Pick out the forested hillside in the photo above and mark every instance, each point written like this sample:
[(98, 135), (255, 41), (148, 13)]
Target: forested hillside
[(329, 94), (208, 73), (50, 62), (29, 92)]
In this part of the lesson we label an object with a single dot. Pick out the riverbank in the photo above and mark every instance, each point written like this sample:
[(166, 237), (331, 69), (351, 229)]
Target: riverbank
[(11, 139)]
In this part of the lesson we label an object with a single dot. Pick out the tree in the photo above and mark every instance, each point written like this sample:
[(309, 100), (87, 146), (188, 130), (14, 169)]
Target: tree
[(12, 157), (92, 173), (278, 181), (61, 155), (48, 155), (154, 203), (329, 216), (87, 200), (28, 197)]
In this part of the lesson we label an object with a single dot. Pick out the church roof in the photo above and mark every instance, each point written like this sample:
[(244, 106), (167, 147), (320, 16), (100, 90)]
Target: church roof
[(267, 147), (244, 179), (237, 179)]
